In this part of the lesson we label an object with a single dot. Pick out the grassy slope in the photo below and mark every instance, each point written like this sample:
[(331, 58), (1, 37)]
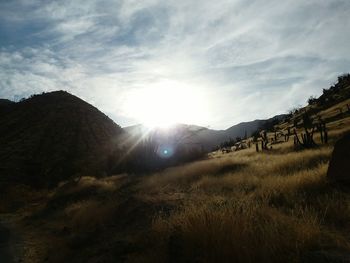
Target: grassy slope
[(253, 207), (238, 207)]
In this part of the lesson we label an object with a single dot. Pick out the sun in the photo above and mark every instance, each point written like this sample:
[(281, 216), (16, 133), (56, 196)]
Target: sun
[(167, 103)]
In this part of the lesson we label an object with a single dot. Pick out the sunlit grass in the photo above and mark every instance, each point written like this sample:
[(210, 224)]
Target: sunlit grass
[(249, 207)]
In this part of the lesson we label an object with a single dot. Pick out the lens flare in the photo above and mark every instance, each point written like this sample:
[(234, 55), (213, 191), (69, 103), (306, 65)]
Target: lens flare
[(165, 151)]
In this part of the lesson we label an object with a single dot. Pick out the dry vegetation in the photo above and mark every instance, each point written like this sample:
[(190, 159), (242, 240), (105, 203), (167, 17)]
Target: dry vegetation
[(244, 206), (251, 207)]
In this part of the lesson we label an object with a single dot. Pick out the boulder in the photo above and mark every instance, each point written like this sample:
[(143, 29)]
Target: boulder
[(339, 166)]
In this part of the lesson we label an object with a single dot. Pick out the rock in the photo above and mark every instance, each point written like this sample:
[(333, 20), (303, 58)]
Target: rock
[(339, 166)]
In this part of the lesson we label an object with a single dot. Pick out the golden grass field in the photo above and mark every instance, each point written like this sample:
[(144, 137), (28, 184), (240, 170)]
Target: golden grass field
[(251, 207), (244, 206)]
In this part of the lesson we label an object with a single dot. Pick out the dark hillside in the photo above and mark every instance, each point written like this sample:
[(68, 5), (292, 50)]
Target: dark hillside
[(5, 103), (52, 137)]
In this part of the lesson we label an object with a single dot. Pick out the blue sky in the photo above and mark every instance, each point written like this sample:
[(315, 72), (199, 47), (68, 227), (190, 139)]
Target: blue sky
[(249, 59)]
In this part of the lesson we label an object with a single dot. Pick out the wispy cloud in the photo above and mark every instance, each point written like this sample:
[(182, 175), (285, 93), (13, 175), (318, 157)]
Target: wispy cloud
[(252, 59)]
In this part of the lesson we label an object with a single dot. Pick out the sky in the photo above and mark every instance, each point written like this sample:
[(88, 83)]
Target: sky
[(218, 62)]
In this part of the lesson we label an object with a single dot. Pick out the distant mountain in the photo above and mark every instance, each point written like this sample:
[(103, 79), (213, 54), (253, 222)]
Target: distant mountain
[(239, 130), (212, 138), (51, 137), (208, 138)]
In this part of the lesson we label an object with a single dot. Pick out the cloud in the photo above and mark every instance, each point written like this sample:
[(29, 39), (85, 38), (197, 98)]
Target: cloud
[(253, 59)]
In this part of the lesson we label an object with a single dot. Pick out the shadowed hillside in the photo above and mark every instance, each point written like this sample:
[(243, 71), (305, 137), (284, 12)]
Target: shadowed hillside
[(52, 137), (5, 103)]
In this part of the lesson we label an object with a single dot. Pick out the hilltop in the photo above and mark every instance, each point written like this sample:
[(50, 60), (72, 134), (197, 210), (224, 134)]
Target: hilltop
[(51, 137), (5, 103)]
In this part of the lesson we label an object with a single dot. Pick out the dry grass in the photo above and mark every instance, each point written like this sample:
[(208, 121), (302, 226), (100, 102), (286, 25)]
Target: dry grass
[(89, 215), (242, 166), (334, 110), (79, 216), (184, 175), (107, 184), (249, 207), (236, 231), (14, 197), (244, 206)]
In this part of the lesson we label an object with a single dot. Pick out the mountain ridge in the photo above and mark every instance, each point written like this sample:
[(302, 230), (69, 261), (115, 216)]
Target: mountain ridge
[(210, 138)]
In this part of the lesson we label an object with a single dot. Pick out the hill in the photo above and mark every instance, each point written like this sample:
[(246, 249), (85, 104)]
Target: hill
[(209, 138), (333, 104), (5, 103), (248, 128), (52, 137)]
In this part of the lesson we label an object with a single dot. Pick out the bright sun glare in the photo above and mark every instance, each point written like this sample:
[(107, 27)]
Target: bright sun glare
[(165, 104)]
